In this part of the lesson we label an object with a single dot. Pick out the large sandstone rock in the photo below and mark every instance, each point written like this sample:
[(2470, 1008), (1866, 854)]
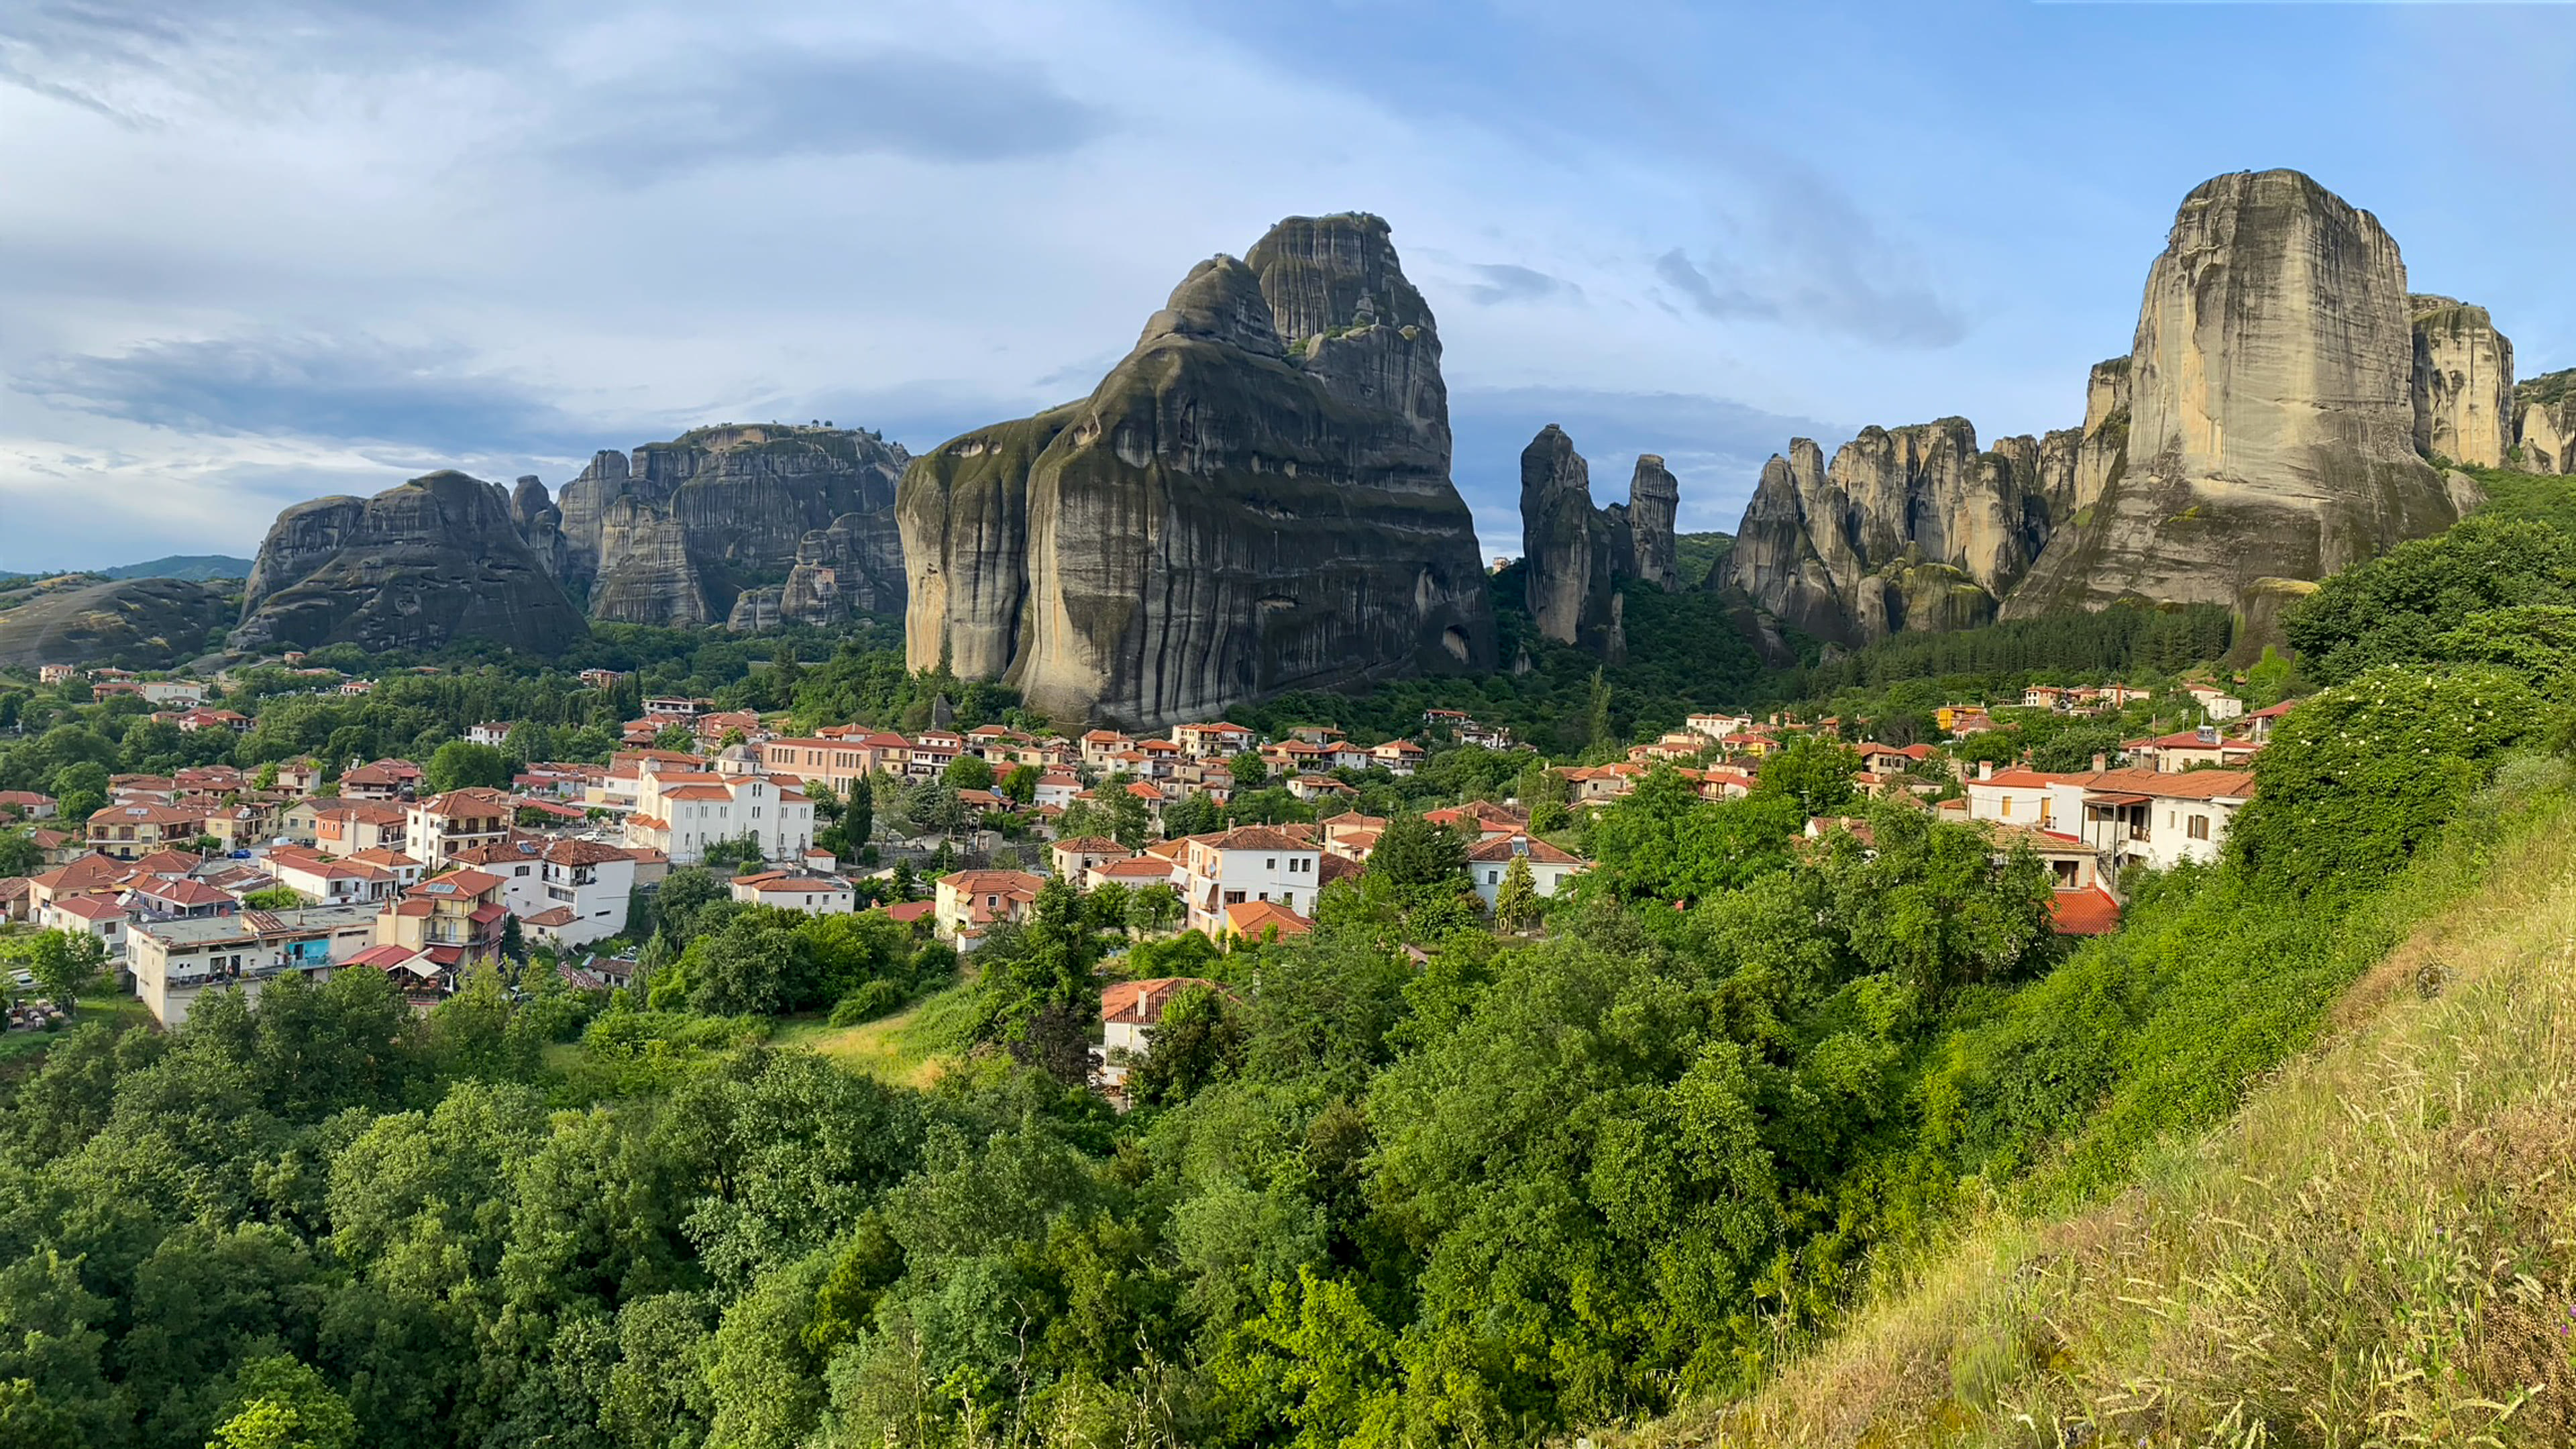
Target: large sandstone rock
[(540, 523), (435, 560), (1574, 556), (676, 533), (1256, 499), (1842, 551), (2271, 427), (134, 623), (2545, 423), (2463, 383)]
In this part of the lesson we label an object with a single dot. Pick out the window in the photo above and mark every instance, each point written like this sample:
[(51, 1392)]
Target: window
[(2007, 807), (2200, 827), (1270, 864), (1493, 877)]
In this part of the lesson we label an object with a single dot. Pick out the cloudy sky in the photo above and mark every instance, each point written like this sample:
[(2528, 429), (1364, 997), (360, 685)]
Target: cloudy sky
[(258, 250)]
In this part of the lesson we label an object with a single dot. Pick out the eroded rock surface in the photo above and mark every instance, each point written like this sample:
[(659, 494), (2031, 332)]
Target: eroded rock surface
[(2463, 383), (1256, 499)]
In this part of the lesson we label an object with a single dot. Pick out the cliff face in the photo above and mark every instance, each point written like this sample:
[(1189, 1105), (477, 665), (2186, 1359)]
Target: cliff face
[(137, 623), (1841, 551), (2272, 410), (2463, 383), (676, 533), (1574, 557), (2545, 422), (437, 559), (1256, 499), (540, 524)]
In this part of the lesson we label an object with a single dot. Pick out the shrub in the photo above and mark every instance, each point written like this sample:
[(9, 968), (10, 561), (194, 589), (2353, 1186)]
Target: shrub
[(871, 1000)]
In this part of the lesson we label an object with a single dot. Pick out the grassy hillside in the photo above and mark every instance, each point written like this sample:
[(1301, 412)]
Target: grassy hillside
[(2375, 1250), (133, 623), (198, 568)]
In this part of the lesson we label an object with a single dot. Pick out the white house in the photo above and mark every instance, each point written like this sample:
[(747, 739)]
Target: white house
[(1247, 863), (329, 882), (1550, 867), (2214, 702), (682, 814), (815, 895), (442, 827), (2129, 816), (1130, 1011), (1718, 726), (495, 733)]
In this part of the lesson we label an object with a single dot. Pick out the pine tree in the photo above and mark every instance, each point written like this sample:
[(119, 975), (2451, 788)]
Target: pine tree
[(1516, 901)]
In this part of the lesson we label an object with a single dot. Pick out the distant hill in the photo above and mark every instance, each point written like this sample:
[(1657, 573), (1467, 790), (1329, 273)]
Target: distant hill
[(1696, 553), (195, 567)]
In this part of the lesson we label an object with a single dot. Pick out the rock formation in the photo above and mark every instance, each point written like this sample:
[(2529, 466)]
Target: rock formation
[(419, 566), (676, 533), (135, 623), (2463, 383), (540, 523), (1255, 499), (2545, 422), (1908, 528), (1574, 556), (2272, 415)]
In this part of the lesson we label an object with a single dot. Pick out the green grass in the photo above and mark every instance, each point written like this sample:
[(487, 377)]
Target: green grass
[(910, 1048)]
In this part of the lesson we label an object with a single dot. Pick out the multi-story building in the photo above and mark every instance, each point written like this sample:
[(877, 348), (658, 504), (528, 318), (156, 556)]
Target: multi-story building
[(1491, 859), (1220, 740), (324, 881), (383, 780), (454, 920), (682, 814), (129, 832), (439, 829), (173, 963), (1247, 863), (968, 901), (2128, 816)]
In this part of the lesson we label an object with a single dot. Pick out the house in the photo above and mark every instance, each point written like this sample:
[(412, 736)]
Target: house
[(2048, 697), (675, 709), (968, 901), (1958, 720), (1057, 789), (130, 831), (682, 814), (495, 733), (383, 780), (16, 899), (1247, 863), (347, 827), (1550, 867), (2175, 753), (1312, 788), (2261, 723), (843, 764), (1073, 859), (58, 673), (454, 919), (1894, 759), (1132, 871), (788, 891), (99, 916), (177, 898), (1262, 921), (2014, 796), (1718, 726), (1491, 737), (600, 678), (1220, 740), (1595, 784), (2126, 816), (324, 881), (173, 963), (1130, 1011), (26, 805), (439, 829), (1480, 820), (191, 721), (1398, 757), (2215, 703), (1098, 746), (185, 693), (357, 688)]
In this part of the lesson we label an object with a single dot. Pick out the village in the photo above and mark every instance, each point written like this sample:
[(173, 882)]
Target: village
[(214, 878)]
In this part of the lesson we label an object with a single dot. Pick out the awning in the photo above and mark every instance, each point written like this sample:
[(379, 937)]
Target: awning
[(2119, 799)]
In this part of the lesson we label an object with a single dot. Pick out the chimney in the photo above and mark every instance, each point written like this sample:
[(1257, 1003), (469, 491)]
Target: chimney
[(1985, 769), (2101, 763)]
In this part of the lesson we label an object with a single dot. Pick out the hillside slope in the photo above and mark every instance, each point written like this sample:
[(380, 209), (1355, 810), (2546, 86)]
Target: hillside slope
[(2379, 1248)]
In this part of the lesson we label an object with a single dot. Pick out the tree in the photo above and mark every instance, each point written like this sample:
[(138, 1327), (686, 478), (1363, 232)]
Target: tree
[(18, 854), (932, 808), (1596, 714), (678, 738), (969, 772), (726, 855), (1516, 899), (280, 1403), (1250, 771), (1152, 908), (1925, 902), (61, 961), (462, 764), (1815, 772), (1199, 1042), (1020, 786), (275, 898), (1412, 851), (1040, 1000), (514, 945)]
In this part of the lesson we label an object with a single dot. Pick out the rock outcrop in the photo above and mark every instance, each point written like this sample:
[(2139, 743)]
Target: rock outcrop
[(2272, 411), (135, 623), (1907, 528), (2463, 383), (2545, 423), (674, 534), (1256, 499), (540, 523), (1574, 556), (419, 566)]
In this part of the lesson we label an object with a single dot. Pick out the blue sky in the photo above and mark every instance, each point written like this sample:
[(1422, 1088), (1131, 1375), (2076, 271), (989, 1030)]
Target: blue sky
[(259, 250)]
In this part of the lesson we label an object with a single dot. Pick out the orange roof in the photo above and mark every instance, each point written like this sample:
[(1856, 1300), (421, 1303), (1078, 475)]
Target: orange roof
[(2083, 913), (1253, 837), (1141, 1003), (1256, 919), (1539, 852), (1139, 867)]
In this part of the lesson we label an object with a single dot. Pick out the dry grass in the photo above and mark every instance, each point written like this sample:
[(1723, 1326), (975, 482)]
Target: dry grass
[(910, 1048), (2379, 1250)]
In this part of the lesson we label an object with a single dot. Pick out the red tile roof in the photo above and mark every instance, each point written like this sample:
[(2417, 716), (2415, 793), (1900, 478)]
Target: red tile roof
[(2083, 913)]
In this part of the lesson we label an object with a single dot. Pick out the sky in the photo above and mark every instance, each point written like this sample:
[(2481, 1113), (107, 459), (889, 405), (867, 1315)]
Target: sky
[(255, 251)]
